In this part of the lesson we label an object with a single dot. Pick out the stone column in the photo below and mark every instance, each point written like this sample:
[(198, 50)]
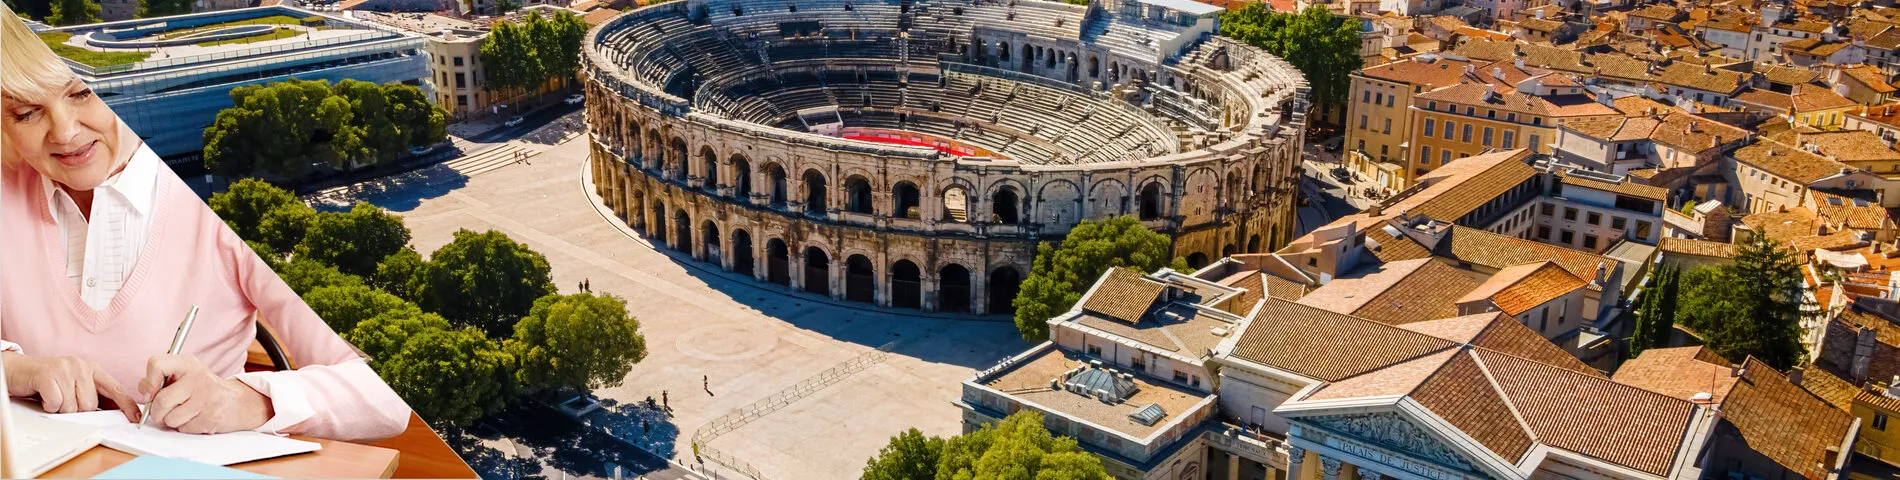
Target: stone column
[(1294, 457), (1329, 468), (1367, 474)]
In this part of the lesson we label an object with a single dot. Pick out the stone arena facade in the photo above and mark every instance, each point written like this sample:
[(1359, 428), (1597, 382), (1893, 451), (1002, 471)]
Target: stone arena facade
[(912, 154)]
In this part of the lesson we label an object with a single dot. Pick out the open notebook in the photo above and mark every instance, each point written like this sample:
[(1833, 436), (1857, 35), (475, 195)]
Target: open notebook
[(220, 449)]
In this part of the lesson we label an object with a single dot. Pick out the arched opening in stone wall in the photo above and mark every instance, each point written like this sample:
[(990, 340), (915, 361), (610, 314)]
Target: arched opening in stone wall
[(1095, 67), (956, 204), (1227, 251), (904, 201), (676, 158), (710, 162), (1004, 282), (780, 192), (1028, 59), (655, 151), (857, 195), (1005, 206), (953, 289), (778, 265), (1253, 243), (637, 216), (817, 271), (1197, 260), (741, 178), (814, 193), (684, 225), (742, 252), (657, 232), (709, 236), (860, 280), (1151, 201), (1002, 51), (1273, 237), (906, 285)]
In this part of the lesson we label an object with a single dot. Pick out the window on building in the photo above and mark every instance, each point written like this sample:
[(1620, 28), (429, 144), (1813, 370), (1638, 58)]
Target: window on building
[(1466, 137), (1431, 105), (1450, 126), (1365, 96), (1510, 139), (1384, 150), (1388, 126), (1589, 242), (1388, 100), (1138, 363), (1470, 112), (1618, 223), (1565, 236), (1487, 136), (1533, 143), (1378, 98), (1428, 126), (1362, 122), (1547, 209), (1490, 114), (461, 100), (1642, 229), (1425, 155), (1594, 218), (458, 61), (461, 80), (1880, 422), (1543, 232), (1510, 117), (1444, 157), (1570, 214), (1095, 350), (1537, 120), (1180, 376)]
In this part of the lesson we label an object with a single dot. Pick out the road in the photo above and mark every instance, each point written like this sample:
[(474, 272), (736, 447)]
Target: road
[(1326, 199)]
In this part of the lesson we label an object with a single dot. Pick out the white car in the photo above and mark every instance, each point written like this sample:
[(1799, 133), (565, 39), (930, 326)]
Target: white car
[(575, 99), (516, 120)]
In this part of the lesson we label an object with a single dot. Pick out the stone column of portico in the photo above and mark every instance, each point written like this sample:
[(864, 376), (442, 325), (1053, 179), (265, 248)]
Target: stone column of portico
[(1295, 456), (760, 265), (1365, 474), (1233, 467), (1329, 468)]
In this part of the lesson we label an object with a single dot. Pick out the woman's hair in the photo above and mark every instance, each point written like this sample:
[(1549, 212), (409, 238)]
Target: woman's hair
[(28, 69)]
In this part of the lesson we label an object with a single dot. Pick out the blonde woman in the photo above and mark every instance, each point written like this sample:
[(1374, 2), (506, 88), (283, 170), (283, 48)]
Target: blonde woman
[(107, 250)]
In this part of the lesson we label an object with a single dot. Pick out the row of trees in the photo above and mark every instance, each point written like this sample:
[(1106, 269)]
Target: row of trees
[(522, 56), (283, 129), (1323, 46), (458, 334), (1064, 271), (1750, 308), (79, 12), (1016, 447), (1656, 317)]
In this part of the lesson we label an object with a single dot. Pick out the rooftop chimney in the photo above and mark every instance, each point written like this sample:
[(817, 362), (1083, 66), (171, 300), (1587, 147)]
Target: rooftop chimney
[(1498, 72), (1520, 64)]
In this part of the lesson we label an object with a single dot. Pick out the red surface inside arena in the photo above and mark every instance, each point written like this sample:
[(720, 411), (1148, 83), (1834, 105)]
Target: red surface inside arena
[(900, 141)]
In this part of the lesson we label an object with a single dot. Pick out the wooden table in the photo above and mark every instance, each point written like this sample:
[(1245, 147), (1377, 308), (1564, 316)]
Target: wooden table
[(335, 460), (425, 455)]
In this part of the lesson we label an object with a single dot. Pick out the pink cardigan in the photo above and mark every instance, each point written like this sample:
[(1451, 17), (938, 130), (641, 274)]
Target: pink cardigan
[(190, 258)]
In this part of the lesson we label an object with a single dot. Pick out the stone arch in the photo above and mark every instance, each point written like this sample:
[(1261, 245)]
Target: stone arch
[(683, 227), (956, 203), (953, 289), (1108, 198), (1152, 205), (1200, 198), (1228, 250), (656, 150), (860, 279), (1253, 243), (813, 183), (1003, 48), (1095, 66), (905, 201), (741, 177), (709, 237), (1059, 203), (1003, 284), (742, 252), (778, 262), (676, 159), (1006, 205), (1197, 260), (657, 232), (637, 212), (906, 288), (857, 195), (1028, 59), (817, 271), (709, 163), (777, 187)]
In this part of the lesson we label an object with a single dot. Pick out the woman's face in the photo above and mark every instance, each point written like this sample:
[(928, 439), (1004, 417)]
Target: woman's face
[(70, 136)]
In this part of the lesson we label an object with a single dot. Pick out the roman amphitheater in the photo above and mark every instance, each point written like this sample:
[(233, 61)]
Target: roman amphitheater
[(912, 153)]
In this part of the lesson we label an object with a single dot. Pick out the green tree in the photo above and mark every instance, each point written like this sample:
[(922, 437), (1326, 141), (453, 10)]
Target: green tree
[(383, 336), (393, 274), (508, 57), (73, 12), (283, 129), (355, 241), (163, 8), (344, 306), (1017, 447), (244, 205), (1750, 308), (576, 342), (910, 455), (1062, 272), (485, 280), (1323, 46), (305, 275), (450, 376), (1656, 317)]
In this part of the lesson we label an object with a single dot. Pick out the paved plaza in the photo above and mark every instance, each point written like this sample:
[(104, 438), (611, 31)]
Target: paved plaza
[(745, 340)]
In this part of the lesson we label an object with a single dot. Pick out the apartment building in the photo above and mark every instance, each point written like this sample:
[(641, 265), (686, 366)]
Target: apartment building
[(1509, 107), (1380, 110)]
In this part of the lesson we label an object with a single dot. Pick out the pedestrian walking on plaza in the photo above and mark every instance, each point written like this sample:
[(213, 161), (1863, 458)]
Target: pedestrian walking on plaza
[(706, 383), (587, 284), (663, 404)]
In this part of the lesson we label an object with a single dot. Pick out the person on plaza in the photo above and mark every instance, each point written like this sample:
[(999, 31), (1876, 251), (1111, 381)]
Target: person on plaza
[(107, 250)]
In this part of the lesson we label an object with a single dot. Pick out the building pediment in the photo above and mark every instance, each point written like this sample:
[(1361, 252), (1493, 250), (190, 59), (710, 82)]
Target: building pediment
[(1389, 439)]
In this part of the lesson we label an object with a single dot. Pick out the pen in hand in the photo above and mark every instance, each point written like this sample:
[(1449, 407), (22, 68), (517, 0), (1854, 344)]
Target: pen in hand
[(178, 344)]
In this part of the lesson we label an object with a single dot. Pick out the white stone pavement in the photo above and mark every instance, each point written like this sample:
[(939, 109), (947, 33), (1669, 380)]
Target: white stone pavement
[(747, 340)]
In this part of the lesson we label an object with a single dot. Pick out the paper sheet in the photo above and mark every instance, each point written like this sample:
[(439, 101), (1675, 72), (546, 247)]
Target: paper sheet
[(220, 449)]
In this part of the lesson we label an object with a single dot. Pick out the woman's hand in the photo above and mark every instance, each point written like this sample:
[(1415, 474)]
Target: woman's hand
[(188, 398), (66, 384)]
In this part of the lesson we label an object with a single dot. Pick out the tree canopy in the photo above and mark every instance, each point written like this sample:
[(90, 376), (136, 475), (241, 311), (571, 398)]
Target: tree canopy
[(1656, 318), (581, 341), (74, 12), (1323, 46), (355, 241), (345, 306), (305, 275), (1062, 272), (484, 280), (523, 55), (1752, 307), (1016, 447), (163, 8), (282, 129), (452, 376)]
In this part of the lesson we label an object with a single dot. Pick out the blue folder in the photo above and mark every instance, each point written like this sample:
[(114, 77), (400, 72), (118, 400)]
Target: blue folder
[(152, 467)]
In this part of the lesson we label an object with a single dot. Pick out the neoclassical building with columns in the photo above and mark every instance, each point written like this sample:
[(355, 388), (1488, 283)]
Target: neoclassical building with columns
[(913, 153)]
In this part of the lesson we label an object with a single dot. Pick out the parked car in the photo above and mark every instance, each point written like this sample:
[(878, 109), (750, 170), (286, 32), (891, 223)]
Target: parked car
[(420, 150), (575, 99), (516, 120)]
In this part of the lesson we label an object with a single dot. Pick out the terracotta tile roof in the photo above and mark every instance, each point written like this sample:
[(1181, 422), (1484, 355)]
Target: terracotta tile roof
[(1888, 39), (1353, 290), (1684, 246), (600, 16), (1732, 22), (1503, 334), (1788, 162), (1809, 98), (1626, 68), (1783, 226), (1784, 423), (1677, 372), (1252, 286), (1844, 212), (1657, 12), (1498, 251), (1784, 74), (1834, 390), (1872, 397), (1885, 331), (1620, 188), (1870, 76), (1600, 128), (1850, 145), (1460, 393), (1518, 288), (1506, 170), (1428, 293), (1565, 409), (1283, 289), (1393, 249), (1505, 97), (1779, 101), (1124, 295), (1281, 333), (1417, 71), (1397, 379), (1686, 131), (1637, 105), (1832, 241), (1540, 25)]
